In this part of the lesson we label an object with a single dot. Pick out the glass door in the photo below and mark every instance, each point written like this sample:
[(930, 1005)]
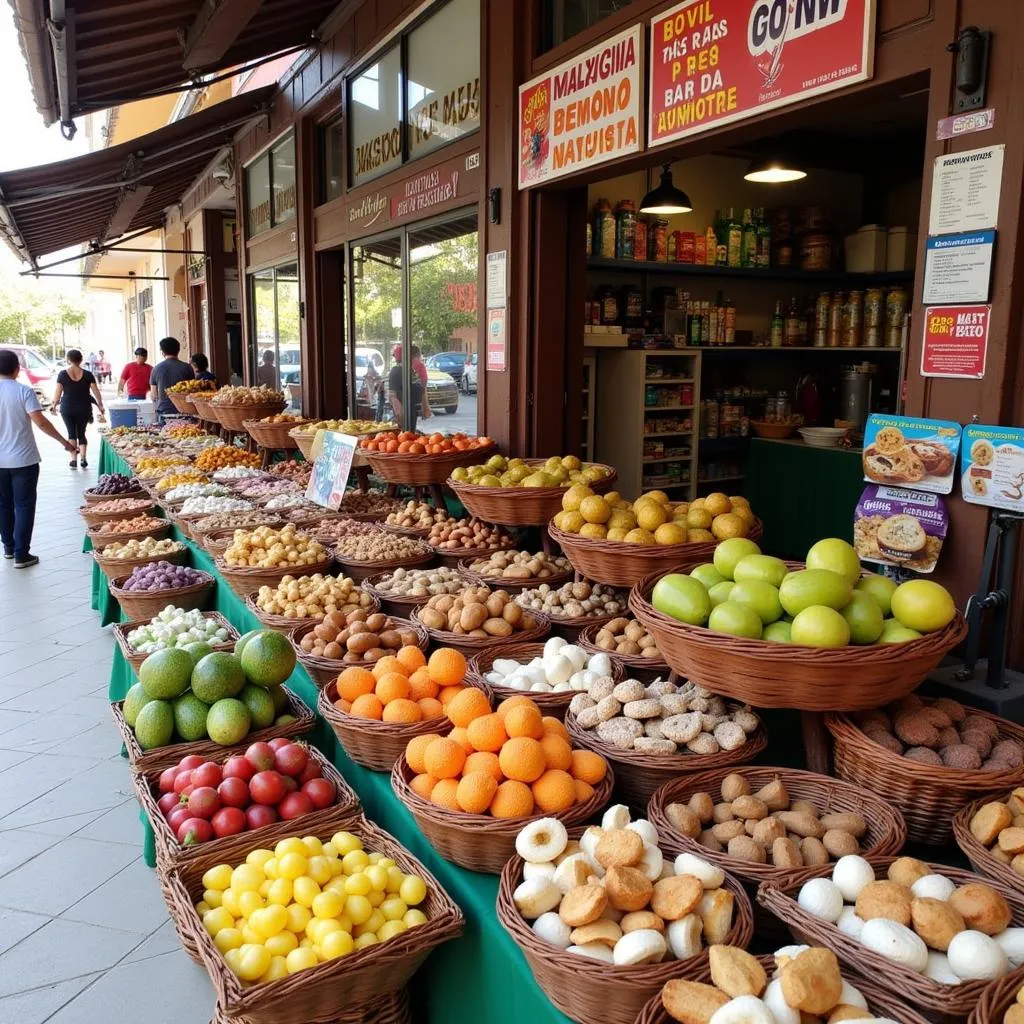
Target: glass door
[(276, 353)]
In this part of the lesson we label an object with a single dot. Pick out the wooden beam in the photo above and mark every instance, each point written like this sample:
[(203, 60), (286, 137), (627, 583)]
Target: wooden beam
[(215, 29)]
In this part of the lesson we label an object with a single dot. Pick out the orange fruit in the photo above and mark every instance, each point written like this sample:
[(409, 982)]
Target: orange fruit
[(445, 694), (392, 686), (476, 791), (447, 666), (402, 710), (487, 733), (368, 706), (354, 682), (469, 704), (522, 759), (343, 705), (444, 794), (411, 658), (462, 738), (444, 758), (422, 785), (509, 703), (588, 766), (555, 727), (389, 663), (584, 790), (482, 761), (554, 791), (430, 708), (557, 752), (421, 685), (512, 800), (416, 748), (524, 721)]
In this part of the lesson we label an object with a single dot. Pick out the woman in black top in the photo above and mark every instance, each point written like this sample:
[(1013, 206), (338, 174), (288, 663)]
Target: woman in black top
[(75, 393)]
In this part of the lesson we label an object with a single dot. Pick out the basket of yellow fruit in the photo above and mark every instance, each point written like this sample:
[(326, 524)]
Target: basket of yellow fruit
[(525, 492), (233, 406), (203, 409), (611, 540), (274, 432), (304, 434), (264, 556), (182, 394)]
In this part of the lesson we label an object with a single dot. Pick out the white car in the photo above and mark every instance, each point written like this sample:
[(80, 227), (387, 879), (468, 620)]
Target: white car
[(469, 375)]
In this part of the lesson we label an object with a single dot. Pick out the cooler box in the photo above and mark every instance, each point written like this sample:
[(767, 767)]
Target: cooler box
[(146, 413), (124, 414)]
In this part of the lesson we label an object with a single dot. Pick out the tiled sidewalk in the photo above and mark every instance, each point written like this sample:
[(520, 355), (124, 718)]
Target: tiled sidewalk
[(84, 932)]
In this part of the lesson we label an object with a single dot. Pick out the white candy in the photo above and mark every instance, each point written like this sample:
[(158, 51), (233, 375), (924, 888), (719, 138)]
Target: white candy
[(545, 870), (851, 874), (711, 875), (643, 946), (851, 996), (1011, 941), (743, 1010), (974, 956), (684, 936), (589, 840), (557, 669), (568, 873), (576, 655), (780, 1010), (849, 923), (600, 665), (896, 942), (541, 841), (616, 816), (647, 832), (933, 887), (595, 950), (536, 896), (554, 645), (505, 666), (551, 928), (938, 969), (651, 863), (822, 898)]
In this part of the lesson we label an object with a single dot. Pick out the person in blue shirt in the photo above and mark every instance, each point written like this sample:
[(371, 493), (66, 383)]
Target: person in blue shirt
[(169, 371), (201, 367)]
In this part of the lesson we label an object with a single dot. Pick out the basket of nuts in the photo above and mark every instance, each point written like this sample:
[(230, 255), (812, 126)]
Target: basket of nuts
[(400, 590), (95, 513), (307, 600), (262, 556), (454, 539), (416, 519), (368, 506), (476, 617), (365, 556), (625, 641), (273, 432), (121, 556), (517, 570), (135, 528), (218, 541), (330, 528), (574, 606)]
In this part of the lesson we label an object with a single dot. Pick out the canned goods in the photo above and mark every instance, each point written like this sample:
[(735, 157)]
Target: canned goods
[(604, 230), (895, 314), (816, 252), (658, 244), (700, 250), (835, 320), (874, 307), (640, 231), (821, 311), (853, 320), (625, 229)]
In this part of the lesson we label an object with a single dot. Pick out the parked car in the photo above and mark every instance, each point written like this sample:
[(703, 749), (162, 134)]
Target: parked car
[(442, 392), (367, 403), (453, 363), (36, 371), (469, 375)]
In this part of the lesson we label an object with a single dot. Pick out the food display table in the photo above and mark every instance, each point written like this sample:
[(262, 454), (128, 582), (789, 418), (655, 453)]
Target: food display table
[(480, 976)]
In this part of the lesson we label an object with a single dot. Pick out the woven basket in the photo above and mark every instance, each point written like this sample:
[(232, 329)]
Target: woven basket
[(143, 508), (928, 795), (997, 998), (164, 757), (416, 532), (520, 506), (135, 659), (454, 557), (234, 416), (247, 580), (325, 670), (321, 994), (977, 853), (303, 441), (401, 606), (140, 604), (392, 1009), (360, 571), (94, 499), (956, 1001), (181, 402), (624, 565), (421, 470), (770, 675), (512, 586), (881, 1002), (158, 532), (473, 645), (204, 410), (114, 567), (631, 662), (275, 436), (591, 991), (570, 628), (283, 624), (218, 541)]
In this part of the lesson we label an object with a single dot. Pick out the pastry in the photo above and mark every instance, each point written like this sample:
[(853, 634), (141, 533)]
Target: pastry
[(979, 485), (982, 452), (889, 440), (937, 459), (902, 535)]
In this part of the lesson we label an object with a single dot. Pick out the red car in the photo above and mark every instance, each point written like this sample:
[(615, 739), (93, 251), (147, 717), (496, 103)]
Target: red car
[(36, 371)]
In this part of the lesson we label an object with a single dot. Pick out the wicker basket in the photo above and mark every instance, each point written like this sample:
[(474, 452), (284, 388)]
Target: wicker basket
[(591, 991), (143, 507), (303, 441), (360, 571), (401, 606), (512, 586), (570, 627), (997, 998), (631, 662), (454, 557), (473, 645), (928, 795), (520, 506), (204, 410), (770, 675), (275, 436), (182, 402), (326, 992), (325, 670), (218, 541), (94, 499), (247, 580), (881, 1002), (624, 565), (957, 1001), (234, 416), (283, 624), (141, 604), (479, 842), (114, 567), (158, 532), (135, 658), (777, 431), (392, 1009), (164, 757), (422, 470), (977, 853), (415, 532)]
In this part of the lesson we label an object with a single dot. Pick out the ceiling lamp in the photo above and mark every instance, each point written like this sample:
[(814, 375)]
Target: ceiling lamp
[(666, 198), (773, 171)]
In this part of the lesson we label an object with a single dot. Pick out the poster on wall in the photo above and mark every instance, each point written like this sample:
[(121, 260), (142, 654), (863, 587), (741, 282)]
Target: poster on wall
[(958, 268), (910, 452), (331, 467), (992, 467), (965, 191), (955, 341), (717, 61), (583, 112), (496, 353)]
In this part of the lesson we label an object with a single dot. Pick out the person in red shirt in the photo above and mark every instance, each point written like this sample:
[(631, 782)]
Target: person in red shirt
[(135, 376)]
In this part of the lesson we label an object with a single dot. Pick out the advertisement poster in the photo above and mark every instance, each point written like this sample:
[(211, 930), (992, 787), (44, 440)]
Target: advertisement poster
[(965, 191), (958, 268), (331, 468), (894, 526), (717, 61), (955, 341), (496, 339), (903, 452), (992, 467), (583, 112)]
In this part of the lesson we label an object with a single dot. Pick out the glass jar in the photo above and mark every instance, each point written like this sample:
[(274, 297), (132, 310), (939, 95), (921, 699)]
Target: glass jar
[(603, 244), (625, 229)]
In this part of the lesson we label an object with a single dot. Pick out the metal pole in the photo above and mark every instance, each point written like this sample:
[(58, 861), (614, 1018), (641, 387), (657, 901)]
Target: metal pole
[(107, 277), (101, 250)]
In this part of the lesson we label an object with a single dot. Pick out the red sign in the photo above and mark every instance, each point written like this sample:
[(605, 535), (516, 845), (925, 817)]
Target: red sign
[(496, 354), (955, 341), (717, 61), (463, 296)]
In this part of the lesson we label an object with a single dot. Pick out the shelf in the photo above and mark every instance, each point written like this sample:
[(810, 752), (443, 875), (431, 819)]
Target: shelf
[(750, 273), (647, 459), (668, 487), (795, 349), (667, 408), (671, 433), (668, 380), (712, 444), (721, 479)]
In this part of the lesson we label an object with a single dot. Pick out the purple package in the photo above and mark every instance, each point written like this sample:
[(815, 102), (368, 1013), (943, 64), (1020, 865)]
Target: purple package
[(895, 526)]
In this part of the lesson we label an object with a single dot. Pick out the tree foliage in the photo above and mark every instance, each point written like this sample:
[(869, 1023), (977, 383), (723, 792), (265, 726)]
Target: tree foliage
[(34, 315)]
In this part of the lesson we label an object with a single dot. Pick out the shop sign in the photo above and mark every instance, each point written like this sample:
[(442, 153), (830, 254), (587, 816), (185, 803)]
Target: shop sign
[(965, 124), (955, 341), (462, 296), (713, 62), (904, 451), (372, 209), (992, 467), (583, 112), (496, 339), (439, 120), (958, 268), (424, 192), (331, 468)]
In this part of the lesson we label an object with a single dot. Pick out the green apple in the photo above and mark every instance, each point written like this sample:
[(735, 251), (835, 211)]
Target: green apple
[(730, 551), (761, 567), (881, 588), (836, 555), (707, 574), (808, 587), (761, 596), (720, 592), (923, 605), (819, 626), (864, 618), (778, 633), (894, 632), (683, 598), (735, 619)]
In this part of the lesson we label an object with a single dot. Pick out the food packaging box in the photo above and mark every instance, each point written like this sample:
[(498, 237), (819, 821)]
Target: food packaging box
[(866, 250), (901, 249)]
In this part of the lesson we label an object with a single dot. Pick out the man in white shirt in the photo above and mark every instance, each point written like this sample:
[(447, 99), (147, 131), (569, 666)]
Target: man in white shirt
[(19, 461)]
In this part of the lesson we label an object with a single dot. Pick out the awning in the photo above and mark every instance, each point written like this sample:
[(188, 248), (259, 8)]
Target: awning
[(85, 55), (108, 193)]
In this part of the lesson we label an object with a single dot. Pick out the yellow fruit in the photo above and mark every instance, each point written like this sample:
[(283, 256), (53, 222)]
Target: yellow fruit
[(378, 876), (229, 902), (319, 868), (218, 878), (246, 877), (697, 503), (227, 938), (358, 884), (269, 921), (679, 511), (700, 536), (650, 514), (281, 944), (729, 525), (358, 909), (250, 935), (622, 519), (744, 512), (327, 905), (717, 503), (639, 536), (253, 960), (280, 892), (314, 848), (414, 917), (595, 509), (372, 924), (290, 845), (659, 496), (699, 518), (298, 917), (336, 944), (278, 969), (216, 920), (573, 497), (364, 940), (305, 890), (202, 907), (292, 865), (396, 877), (354, 860), (616, 534), (249, 901), (612, 497), (393, 909), (670, 533), (413, 890), (346, 842), (213, 897), (595, 531), (301, 960), (570, 522), (738, 499)]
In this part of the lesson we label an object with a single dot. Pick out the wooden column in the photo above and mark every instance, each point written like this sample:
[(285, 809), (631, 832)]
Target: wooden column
[(216, 300), (313, 384)]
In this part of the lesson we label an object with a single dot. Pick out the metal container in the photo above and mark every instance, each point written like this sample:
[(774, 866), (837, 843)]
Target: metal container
[(821, 317), (816, 252), (856, 393), (853, 320), (835, 320), (895, 314)]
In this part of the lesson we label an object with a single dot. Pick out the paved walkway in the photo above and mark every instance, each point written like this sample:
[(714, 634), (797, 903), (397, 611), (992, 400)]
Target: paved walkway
[(84, 932)]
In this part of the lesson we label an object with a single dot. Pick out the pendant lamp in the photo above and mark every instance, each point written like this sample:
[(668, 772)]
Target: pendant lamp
[(773, 171), (666, 198)]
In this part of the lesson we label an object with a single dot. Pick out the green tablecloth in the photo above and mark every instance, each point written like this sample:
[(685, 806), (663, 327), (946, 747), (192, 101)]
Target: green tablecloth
[(480, 976)]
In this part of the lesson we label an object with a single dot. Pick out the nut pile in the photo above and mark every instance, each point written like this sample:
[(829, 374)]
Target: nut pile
[(366, 503), (264, 488), (919, 919), (627, 637), (232, 520), (941, 732), (261, 395), (330, 531), (562, 668), (468, 535), (614, 898), (999, 826), (119, 505), (134, 525), (418, 515), (291, 469), (183, 431), (478, 612), (574, 600), (114, 483), (767, 827), (148, 547), (157, 465), (312, 597), (520, 565), (266, 548), (188, 476), (297, 500), (208, 503), (226, 455), (283, 417), (163, 576), (357, 638), (238, 473), (187, 387), (379, 547), (423, 583), (198, 491)]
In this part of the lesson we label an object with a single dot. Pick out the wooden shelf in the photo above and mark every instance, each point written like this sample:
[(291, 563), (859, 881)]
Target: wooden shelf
[(667, 408), (672, 433), (721, 479), (795, 349), (749, 273), (648, 459), (669, 380)]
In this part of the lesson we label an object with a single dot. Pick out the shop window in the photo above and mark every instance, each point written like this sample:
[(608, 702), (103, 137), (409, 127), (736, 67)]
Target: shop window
[(270, 187), (562, 19), (282, 179), (275, 327), (257, 194), (332, 182), (375, 118)]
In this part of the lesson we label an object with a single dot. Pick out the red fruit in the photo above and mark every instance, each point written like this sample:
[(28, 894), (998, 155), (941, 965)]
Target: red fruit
[(278, 742), (260, 756), (294, 805), (311, 771), (234, 792), (208, 774), (177, 816), (193, 831), (321, 792), (204, 802), (167, 777), (291, 760), (191, 761), (168, 802), (290, 785), (237, 767), (258, 815), (267, 788), (228, 821), (186, 793), (182, 779)]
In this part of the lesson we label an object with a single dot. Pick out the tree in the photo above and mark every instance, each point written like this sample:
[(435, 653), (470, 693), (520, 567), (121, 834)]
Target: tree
[(33, 314)]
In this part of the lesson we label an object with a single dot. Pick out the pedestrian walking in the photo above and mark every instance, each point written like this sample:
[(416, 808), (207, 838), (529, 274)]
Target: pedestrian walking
[(19, 461), (169, 371), (135, 377), (74, 395)]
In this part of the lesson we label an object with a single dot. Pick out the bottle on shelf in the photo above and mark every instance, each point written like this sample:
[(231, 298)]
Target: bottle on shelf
[(778, 326), (734, 240), (749, 239), (793, 326), (722, 240), (729, 323), (764, 240), (695, 323)]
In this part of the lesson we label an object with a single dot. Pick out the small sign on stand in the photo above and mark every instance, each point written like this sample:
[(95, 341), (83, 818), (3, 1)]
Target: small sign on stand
[(331, 468)]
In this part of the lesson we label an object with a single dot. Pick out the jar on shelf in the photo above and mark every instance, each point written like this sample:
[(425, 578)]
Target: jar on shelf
[(874, 317), (625, 229), (658, 243), (895, 313), (640, 233), (853, 319), (603, 244)]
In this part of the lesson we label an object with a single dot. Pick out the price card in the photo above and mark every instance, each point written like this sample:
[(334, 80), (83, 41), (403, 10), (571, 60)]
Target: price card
[(901, 451), (992, 467), (331, 468)]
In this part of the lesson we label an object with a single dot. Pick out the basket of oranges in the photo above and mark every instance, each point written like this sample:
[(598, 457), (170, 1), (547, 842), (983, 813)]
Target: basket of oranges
[(421, 459), (472, 790)]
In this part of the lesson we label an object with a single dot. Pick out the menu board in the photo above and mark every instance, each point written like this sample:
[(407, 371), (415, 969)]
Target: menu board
[(900, 451), (992, 467), (331, 468)]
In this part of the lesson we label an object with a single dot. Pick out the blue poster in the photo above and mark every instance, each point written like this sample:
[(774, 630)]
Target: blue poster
[(331, 468), (901, 451), (992, 467)]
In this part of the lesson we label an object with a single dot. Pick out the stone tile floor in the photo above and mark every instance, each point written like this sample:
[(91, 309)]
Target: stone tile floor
[(84, 932)]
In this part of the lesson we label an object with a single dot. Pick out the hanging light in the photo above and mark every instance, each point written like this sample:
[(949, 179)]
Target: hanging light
[(666, 198), (773, 170)]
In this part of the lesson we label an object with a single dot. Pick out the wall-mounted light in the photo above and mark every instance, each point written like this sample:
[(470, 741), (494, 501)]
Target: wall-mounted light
[(666, 198), (494, 205), (773, 170)]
